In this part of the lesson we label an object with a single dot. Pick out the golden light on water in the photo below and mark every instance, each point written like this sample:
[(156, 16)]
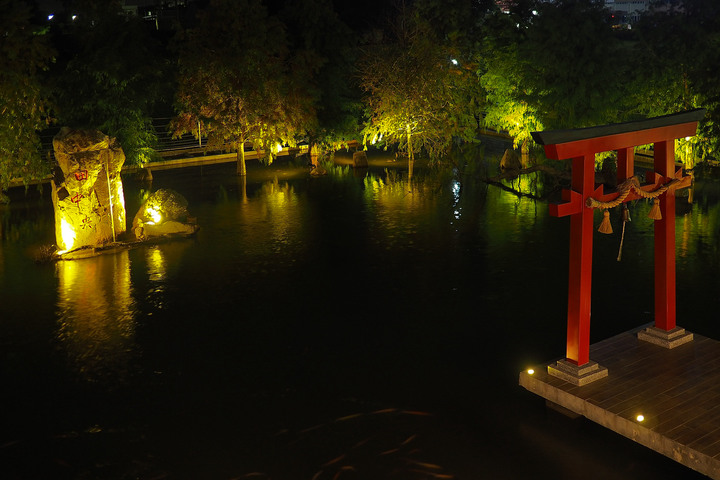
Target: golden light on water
[(96, 315), (157, 267)]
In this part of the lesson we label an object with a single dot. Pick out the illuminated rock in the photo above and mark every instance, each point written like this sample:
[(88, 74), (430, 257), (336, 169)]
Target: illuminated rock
[(510, 160), (87, 190), (163, 213)]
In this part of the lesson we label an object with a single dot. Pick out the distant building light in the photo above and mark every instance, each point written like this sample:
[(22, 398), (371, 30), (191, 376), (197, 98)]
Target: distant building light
[(74, 17), (51, 16)]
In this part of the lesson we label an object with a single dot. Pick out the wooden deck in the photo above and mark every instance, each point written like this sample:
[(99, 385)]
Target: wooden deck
[(676, 391)]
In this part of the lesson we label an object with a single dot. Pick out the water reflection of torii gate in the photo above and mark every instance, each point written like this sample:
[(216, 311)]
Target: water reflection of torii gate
[(581, 145)]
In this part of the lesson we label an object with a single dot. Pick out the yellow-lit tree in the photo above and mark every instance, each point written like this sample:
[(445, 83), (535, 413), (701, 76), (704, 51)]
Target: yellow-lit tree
[(507, 110), (552, 65), (233, 81), (418, 95)]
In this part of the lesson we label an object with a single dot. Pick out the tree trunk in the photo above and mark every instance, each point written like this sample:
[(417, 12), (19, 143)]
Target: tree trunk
[(241, 169), (525, 154), (411, 155)]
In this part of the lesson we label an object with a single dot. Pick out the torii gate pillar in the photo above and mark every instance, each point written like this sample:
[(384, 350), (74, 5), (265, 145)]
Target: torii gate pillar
[(581, 145)]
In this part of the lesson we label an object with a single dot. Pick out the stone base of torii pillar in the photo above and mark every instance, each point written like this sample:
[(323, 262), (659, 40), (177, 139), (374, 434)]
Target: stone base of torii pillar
[(577, 374), (667, 339)]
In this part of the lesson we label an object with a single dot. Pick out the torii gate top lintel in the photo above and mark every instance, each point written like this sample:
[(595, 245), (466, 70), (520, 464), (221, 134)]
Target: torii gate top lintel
[(584, 196), (564, 144)]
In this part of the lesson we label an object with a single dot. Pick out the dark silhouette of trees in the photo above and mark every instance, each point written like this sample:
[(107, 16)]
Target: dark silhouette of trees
[(677, 59), (111, 77), (322, 62), (25, 53)]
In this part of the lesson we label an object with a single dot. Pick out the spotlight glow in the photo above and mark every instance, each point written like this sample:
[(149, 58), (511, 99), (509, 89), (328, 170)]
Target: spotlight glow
[(154, 214), (640, 418)]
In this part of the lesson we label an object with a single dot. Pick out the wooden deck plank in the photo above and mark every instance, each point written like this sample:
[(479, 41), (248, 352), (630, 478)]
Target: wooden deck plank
[(677, 391)]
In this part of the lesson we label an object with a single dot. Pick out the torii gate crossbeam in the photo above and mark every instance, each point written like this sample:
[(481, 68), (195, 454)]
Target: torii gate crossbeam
[(581, 145)]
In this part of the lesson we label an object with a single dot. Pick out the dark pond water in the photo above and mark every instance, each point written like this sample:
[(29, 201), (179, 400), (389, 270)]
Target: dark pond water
[(324, 328)]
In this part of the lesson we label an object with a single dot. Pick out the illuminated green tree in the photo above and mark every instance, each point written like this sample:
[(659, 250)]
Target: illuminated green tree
[(24, 54), (416, 95), (552, 65), (507, 104), (234, 80)]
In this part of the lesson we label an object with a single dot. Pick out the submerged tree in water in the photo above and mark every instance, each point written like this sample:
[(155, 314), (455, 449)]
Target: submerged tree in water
[(322, 64), (549, 65), (234, 81), (417, 94)]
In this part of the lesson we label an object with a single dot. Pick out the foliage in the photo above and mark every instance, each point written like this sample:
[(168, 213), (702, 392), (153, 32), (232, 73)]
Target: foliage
[(507, 94), (112, 78), (323, 51), (234, 79), (459, 24), (24, 54), (417, 96), (550, 65), (679, 53), (573, 64)]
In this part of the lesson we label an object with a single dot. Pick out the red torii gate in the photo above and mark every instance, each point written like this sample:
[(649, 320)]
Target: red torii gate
[(581, 145)]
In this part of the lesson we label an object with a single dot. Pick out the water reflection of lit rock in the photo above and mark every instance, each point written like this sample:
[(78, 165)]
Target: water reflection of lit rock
[(97, 316), (157, 273)]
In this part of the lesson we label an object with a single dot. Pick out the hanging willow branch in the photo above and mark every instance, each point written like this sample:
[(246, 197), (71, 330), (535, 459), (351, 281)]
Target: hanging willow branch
[(632, 184)]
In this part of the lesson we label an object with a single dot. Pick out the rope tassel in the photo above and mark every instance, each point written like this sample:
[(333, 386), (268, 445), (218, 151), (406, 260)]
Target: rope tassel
[(605, 225), (655, 213)]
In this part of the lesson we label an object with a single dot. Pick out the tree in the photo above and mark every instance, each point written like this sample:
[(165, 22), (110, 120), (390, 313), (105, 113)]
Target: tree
[(507, 104), (573, 64), (322, 64), (553, 65), (418, 95), (111, 78), (678, 53), (24, 53), (233, 80)]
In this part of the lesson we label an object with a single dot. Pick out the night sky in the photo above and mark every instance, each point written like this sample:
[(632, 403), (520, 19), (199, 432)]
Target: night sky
[(355, 13)]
